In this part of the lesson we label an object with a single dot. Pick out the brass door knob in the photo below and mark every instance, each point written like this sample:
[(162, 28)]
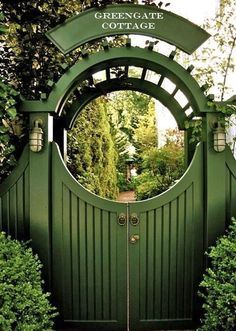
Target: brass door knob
[(122, 219), (134, 220), (134, 238)]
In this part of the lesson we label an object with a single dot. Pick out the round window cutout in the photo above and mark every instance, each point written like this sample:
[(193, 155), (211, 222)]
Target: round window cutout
[(126, 146)]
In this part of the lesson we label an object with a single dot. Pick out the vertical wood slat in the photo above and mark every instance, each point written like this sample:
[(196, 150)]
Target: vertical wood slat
[(149, 266), (83, 261), (26, 194), (165, 260), (98, 263), (158, 264), (15, 208), (173, 259), (180, 257), (5, 213), (113, 268), (20, 207), (75, 255), (67, 258), (143, 265), (13, 211), (105, 267), (90, 260), (230, 194), (189, 249)]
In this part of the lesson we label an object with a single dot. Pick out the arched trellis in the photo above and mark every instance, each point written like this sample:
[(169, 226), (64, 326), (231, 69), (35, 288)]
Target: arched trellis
[(134, 84), (145, 59), (104, 60)]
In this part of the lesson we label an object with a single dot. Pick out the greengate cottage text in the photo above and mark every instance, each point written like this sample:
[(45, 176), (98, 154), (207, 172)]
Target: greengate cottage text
[(129, 21)]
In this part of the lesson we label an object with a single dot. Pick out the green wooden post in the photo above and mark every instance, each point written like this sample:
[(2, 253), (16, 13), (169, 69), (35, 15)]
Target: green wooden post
[(215, 184), (40, 204)]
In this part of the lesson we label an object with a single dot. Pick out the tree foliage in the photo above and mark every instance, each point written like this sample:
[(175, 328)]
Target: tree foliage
[(129, 113), (10, 123), (215, 60), (28, 58), (10, 131), (92, 156)]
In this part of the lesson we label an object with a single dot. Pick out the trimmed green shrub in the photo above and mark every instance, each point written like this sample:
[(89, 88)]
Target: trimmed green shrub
[(219, 285), (23, 305)]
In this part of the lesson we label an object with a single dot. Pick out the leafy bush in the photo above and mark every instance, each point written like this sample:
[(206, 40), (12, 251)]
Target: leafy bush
[(147, 186), (10, 131), (161, 167), (23, 305), (219, 285)]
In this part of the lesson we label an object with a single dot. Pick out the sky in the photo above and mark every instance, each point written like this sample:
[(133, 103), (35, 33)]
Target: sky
[(194, 10)]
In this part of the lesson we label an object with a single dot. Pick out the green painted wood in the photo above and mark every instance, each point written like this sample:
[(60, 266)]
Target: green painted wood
[(89, 260), (215, 204), (120, 57), (84, 27), (40, 196), (230, 186), (14, 200), (173, 259), (171, 234), (135, 84)]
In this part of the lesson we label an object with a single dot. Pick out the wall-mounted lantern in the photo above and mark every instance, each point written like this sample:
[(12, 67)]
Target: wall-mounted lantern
[(219, 137), (36, 137)]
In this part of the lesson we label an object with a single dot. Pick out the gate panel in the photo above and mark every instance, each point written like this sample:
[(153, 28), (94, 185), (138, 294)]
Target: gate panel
[(230, 189), (167, 260), (14, 200), (89, 259)]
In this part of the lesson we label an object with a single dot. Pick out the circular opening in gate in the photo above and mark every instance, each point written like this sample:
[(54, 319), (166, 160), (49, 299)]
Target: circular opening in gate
[(126, 146)]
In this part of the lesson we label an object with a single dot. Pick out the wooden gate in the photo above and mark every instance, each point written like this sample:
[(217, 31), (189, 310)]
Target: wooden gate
[(116, 265)]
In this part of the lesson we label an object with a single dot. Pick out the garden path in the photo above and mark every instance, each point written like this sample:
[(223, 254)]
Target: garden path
[(126, 196)]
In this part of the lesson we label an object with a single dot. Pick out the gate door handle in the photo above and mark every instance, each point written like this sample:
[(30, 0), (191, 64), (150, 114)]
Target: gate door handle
[(122, 219), (134, 220), (134, 238)]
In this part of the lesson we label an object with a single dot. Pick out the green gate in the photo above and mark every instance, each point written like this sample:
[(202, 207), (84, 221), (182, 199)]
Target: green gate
[(115, 264), (109, 265)]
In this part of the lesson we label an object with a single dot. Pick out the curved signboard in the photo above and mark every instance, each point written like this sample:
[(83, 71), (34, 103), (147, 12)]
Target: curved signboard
[(127, 19)]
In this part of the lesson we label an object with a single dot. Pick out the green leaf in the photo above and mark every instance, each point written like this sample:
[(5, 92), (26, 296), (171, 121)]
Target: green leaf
[(3, 129), (11, 112)]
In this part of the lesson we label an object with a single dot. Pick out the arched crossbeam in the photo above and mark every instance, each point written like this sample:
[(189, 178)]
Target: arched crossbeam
[(123, 56), (127, 19), (134, 84)]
